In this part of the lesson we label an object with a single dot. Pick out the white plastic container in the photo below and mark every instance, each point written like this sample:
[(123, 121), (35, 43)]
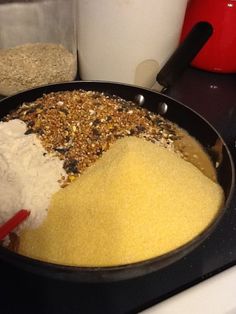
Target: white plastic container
[(38, 43), (127, 40)]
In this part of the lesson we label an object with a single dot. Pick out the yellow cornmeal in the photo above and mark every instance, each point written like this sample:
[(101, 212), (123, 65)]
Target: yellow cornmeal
[(136, 202)]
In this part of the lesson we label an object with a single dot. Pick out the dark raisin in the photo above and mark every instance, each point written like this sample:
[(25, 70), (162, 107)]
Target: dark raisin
[(133, 132), (109, 118), (99, 152), (64, 110), (96, 122), (71, 166), (61, 149), (39, 131), (30, 123), (140, 128), (95, 132), (29, 131)]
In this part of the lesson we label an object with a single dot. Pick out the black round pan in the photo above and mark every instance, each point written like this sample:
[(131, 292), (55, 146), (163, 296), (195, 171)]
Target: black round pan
[(186, 118)]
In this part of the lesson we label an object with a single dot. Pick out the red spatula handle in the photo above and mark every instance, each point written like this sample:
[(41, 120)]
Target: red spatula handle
[(13, 222)]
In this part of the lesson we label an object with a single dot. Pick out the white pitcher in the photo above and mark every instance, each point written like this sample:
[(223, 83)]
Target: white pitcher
[(127, 41)]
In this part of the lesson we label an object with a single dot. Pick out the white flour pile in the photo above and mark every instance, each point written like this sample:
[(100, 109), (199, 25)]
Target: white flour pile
[(29, 176)]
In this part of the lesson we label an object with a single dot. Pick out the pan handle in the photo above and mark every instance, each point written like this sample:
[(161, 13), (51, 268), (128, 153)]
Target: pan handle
[(184, 54)]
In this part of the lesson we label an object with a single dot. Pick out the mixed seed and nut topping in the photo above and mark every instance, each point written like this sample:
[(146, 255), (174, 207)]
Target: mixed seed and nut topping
[(78, 126)]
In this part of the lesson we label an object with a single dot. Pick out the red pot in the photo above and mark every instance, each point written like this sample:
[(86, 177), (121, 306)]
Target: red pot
[(219, 53)]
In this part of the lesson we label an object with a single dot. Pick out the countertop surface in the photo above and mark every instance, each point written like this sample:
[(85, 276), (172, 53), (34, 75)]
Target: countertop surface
[(213, 96), (212, 296)]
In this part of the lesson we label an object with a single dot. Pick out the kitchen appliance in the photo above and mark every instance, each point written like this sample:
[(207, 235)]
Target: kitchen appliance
[(218, 55)]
